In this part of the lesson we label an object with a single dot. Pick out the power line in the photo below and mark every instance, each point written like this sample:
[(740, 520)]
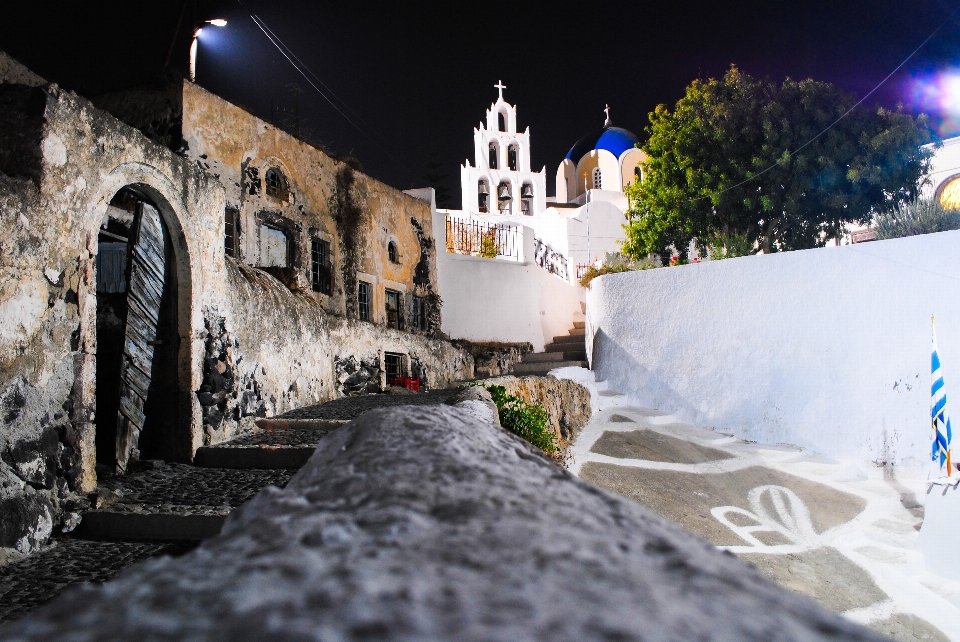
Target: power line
[(831, 125)]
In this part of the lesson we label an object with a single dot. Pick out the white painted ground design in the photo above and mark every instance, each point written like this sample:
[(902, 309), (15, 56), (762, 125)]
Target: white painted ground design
[(856, 545)]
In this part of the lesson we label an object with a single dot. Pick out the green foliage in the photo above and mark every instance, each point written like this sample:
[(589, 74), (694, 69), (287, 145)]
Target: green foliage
[(921, 216), (725, 131), (614, 263), (528, 421), (489, 248), (727, 246)]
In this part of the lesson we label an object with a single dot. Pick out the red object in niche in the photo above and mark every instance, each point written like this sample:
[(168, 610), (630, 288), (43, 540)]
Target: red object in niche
[(410, 383)]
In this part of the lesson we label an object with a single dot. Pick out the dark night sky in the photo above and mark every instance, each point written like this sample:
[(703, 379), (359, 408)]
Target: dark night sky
[(420, 75)]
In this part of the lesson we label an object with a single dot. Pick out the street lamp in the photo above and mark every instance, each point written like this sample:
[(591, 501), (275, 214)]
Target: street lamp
[(216, 22)]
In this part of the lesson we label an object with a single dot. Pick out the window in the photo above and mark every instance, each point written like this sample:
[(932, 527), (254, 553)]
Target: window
[(392, 253), (597, 179), (512, 158), (393, 363), (483, 193), (419, 318), (392, 307), (231, 232), (276, 184), (363, 300), (493, 156), (526, 199), (637, 175), (273, 247), (502, 122), (321, 271)]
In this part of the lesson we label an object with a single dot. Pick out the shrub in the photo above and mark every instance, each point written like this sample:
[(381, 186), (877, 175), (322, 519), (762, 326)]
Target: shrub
[(613, 263), (489, 248), (921, 216), (525, 420), (727, 246)]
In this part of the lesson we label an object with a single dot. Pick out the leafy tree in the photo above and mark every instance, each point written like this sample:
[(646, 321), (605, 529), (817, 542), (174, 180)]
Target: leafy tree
[(723, 132)]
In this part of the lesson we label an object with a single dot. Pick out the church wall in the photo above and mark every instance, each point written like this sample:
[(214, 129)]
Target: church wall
[(787, 347)]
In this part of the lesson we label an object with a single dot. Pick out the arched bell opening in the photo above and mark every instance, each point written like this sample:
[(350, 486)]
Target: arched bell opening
[(138, 338)]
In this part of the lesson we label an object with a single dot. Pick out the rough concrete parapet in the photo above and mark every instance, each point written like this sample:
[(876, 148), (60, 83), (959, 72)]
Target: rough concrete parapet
[(420, 523)]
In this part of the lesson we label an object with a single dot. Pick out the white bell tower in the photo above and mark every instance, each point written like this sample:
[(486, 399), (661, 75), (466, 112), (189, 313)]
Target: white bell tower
[(499, 182)]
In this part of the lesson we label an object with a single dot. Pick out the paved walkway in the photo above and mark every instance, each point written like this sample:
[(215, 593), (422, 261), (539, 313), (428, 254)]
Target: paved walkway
[(842, 534)]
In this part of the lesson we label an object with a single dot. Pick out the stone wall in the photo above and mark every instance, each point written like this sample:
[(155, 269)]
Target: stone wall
[(567, 402), (422, 523), (243, 344), (492, 359)]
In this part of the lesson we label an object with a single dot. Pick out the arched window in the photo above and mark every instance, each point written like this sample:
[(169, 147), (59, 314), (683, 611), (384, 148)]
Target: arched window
[(504, 196), (597, 179), (502, 122), (493, 156), (483, 194), (526, 199), (637, 174), (512, 157), (392, 253), (276, 184)]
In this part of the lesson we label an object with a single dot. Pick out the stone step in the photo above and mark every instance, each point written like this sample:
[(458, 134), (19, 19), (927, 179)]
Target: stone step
[(166, 527), (569, 355), (569, 338), (580, 325), (577, 332), (568, 346), (287, 448), (544, 367)]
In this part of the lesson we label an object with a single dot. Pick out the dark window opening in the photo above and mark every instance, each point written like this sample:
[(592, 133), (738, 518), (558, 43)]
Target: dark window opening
[(276, 184), (321, 268), (231, 232), (637, 174), (393, 363), (419, 318), (392, 304), (363, 300), (274, 247), (392, 253), (512, 158), (502, 122), (493, 156)]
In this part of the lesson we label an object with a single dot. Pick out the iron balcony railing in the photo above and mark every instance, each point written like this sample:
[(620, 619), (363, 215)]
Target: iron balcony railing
[(549, 259), (478, 238)]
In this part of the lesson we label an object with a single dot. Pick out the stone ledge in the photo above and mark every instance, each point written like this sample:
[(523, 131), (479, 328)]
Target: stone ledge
[(418, 523)]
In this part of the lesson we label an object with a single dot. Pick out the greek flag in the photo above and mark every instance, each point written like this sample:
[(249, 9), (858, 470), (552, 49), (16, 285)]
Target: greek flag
[(942, 433)]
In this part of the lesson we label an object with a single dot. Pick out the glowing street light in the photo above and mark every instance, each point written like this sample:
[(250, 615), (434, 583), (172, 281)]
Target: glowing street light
[(216, 22)]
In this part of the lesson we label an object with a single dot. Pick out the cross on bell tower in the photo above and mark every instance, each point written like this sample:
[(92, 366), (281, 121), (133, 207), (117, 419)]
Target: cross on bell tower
[(500, 86), (606, 110)]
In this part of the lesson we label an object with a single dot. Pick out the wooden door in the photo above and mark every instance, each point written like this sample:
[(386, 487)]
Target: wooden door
[(144, 294)]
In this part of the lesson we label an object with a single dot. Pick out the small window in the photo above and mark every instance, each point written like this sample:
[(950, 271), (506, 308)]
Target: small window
[(512, 158), (419, 318), (363, 300), (502, 121), (276, 184), (637, 175), (392, 253), (273, 247), (393, 363), (392, 308), (320, 267), (493, 156), (231, 232), (597, 179)]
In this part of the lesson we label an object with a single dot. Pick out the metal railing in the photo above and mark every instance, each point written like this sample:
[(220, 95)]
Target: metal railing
[(549, 259), (477, 238), (582, 269)]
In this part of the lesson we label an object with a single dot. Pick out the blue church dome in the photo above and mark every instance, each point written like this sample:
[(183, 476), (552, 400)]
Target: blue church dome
[(615, 140)]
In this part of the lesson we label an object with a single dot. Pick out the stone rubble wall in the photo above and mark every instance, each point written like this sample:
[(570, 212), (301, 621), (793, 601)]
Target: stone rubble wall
[(567, 402), (493, 359), (423, 523)]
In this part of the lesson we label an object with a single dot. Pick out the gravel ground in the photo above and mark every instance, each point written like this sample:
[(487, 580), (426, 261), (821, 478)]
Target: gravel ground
[(29, 583), (180, 488), (353, 407)]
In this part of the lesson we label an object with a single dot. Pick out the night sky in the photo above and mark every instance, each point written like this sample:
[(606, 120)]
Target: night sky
[(417, 77)]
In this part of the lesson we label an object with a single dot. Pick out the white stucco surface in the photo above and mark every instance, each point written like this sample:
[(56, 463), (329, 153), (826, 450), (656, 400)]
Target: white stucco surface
[(828, 349)]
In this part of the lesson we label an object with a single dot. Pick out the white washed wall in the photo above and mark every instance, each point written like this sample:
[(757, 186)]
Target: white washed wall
[(827, 349)]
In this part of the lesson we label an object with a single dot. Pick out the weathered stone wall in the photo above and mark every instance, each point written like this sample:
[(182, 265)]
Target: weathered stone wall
[(567, 402), (493, 359), (246, 345), (422, 523), (11, 71)]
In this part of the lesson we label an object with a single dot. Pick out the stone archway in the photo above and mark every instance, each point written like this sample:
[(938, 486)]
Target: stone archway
[(151, 366)]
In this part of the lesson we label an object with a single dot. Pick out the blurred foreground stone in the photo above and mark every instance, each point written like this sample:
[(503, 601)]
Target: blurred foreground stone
[(420, 523)]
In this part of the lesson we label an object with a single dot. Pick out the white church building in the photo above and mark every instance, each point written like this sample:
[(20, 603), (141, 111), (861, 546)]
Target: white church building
[(585, 218)]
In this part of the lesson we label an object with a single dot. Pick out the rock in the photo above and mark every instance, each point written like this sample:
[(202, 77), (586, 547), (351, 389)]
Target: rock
[(475, 401), (418, 523), (26, 522), (567, 402)]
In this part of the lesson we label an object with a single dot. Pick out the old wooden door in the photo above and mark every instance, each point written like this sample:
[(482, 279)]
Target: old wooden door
[(144, 294)]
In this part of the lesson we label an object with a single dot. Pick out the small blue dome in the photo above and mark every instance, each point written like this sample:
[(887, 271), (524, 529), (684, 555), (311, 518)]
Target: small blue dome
[(615, 140)]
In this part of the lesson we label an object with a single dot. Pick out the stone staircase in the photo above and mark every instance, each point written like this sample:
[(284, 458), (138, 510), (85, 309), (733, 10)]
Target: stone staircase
[(565, 350)]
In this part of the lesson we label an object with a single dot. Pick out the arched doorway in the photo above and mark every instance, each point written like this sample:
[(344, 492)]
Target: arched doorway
[(138, 341)]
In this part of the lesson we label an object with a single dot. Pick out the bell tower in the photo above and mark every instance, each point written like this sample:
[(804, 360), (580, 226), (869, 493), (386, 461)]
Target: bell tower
[(499, 181)]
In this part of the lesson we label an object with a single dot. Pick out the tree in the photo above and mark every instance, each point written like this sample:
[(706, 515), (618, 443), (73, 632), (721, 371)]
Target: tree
[(435, 177), (723, 132)]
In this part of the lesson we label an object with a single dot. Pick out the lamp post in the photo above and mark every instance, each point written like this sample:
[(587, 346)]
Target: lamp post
[(216, 22)]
